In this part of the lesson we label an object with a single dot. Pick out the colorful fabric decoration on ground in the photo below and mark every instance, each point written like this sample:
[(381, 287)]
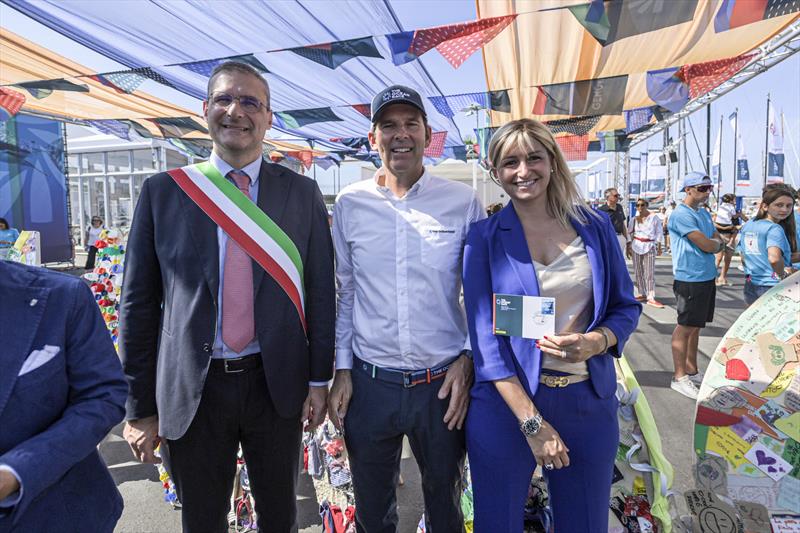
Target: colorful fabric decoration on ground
[(325, 460), (105, 280), (747, 426)]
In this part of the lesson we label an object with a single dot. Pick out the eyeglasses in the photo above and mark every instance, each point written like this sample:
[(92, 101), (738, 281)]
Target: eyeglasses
[(249, 104), (703, 188), (641, 205), (617, 195)]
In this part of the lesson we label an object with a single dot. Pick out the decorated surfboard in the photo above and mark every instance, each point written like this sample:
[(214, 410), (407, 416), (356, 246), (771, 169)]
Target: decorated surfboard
[(747, 423)]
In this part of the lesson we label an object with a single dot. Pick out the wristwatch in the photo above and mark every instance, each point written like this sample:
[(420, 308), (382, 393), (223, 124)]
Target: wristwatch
[(531, 425)]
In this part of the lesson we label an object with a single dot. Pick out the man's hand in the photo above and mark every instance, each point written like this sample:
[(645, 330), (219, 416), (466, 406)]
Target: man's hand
[(628, 251), (142, 437), (339, 397), (457, 383), (8, 484), (315, 407)]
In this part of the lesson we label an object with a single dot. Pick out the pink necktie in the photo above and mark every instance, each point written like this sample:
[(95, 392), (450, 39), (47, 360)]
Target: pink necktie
[(238, 318)]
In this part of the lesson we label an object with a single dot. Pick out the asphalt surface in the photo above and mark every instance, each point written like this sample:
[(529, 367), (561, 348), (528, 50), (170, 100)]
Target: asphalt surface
[(648, 353)]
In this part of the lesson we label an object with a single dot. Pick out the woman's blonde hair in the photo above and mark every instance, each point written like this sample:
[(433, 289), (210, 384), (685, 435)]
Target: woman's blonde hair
[(564, 200)]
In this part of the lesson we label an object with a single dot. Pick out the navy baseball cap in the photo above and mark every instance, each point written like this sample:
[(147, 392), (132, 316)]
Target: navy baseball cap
[(693, 179), (396, 94)]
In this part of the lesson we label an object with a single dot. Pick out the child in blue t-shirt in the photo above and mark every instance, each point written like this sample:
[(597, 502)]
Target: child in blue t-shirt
[(768, 242)]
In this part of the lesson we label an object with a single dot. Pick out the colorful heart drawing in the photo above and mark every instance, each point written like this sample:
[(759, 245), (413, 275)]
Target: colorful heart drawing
[(736, 369), (764, 459)]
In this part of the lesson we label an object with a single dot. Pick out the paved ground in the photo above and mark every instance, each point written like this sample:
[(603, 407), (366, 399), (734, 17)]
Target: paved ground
[(648, 353)]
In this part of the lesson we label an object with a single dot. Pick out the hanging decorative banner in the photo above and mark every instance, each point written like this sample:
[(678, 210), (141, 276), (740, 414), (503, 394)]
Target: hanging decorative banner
[(306, 157), (436, 147), (177, 126), (637, 119), (44, 88), (147, 72), (775, 156), (456, 42), (123, 82), (11, 102), (601, 96), (733, 13), (574, 126), (206, 67), (364, 109), (574, 147), (613, 141), (199, 148), (702, 77), (493, 100), (298, 118), (333, 54), (129, 130), (666, 89)]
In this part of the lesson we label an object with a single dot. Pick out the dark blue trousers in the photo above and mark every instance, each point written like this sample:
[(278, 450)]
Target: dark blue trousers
[(501, 462)]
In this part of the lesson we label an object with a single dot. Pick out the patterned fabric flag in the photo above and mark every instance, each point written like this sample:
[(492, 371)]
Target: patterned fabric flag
[(199, 148), (613, 141), (206, 67), (11, 102), (574, 147), (44, 88), (364, 109), (575, 126), (500, 101), (639, 118), (601, 96), (355, 143), (332, 55), (436, 147), (456, 42), (147, 72), (177, 126), (305, 156), (297, 118), (450, 105), (124, 129), (775, 157), (735, 13), (702, 77), (124, 82), (325, 162), (613, 20), (666, 89)]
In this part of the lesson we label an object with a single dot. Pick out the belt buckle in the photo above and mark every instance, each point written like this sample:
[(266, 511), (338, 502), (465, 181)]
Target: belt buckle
[(556, 381), (407, 382), (225, 366)]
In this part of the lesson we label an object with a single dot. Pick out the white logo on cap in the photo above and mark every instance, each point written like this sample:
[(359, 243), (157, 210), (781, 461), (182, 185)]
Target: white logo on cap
[(395, 94)]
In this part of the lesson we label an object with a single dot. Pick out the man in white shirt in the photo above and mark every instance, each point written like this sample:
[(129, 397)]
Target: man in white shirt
[(403, 367)]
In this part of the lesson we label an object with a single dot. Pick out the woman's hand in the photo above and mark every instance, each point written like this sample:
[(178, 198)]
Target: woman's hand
[(573, 347), (548, 448)]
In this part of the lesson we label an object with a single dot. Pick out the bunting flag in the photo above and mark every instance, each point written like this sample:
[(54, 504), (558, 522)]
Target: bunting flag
[(742, 169), (702, 77), (125, 82), (613, 141), (574, 126), (306, 157), (456, 42), (614, 20), (364, 109), (11, 102), (199, 148), (206, 67), (355, 143), (716, 155), (436, 147), (666, 89), (736, 13), (637, 119), (452, 104), (333, 54), (129, 130), (324, 162), (177, 126), (297, 118), (574, 147), (44, 88), (147, 72), (601, 96), (775, 157), (373, 158)]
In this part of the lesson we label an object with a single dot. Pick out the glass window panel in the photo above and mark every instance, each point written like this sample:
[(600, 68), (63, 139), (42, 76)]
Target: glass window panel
[(119, 161), (176, 159), (143, 160), (119, 201), (93, 162)]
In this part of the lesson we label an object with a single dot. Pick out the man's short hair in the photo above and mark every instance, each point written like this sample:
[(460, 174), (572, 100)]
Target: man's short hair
[(608, 191), (237, 66)]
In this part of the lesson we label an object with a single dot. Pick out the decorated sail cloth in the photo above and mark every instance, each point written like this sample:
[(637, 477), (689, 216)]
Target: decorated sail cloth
[(244, 222)]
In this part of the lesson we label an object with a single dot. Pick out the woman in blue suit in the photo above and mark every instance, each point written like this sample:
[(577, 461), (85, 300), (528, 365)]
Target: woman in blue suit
[(551, 401)]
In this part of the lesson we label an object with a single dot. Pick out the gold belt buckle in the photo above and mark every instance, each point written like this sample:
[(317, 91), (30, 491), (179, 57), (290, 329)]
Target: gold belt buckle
[(556, 381)]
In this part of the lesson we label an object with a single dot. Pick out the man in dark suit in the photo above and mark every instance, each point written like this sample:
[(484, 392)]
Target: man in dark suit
[(213, 346), (61, 392)]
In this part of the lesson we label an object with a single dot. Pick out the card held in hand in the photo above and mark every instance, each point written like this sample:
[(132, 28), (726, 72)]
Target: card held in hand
[(530, 317)]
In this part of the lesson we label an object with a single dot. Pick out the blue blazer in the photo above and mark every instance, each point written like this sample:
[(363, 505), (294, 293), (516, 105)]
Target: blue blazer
[(497, 260), (53, 417)]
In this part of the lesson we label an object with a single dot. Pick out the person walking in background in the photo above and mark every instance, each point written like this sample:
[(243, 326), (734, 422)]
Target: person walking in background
[(769, 242), (662, 230), (645, 229), (694, 243), (616, 213), (8, 236), (727, 220), (549, 402), (92, 235), (667, 213)]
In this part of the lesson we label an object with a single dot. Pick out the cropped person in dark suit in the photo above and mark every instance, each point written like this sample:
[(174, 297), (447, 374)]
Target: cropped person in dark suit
[(61, 392), (216, 349)]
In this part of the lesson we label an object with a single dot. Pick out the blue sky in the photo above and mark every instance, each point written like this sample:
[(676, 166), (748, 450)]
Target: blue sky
[(781, 82)]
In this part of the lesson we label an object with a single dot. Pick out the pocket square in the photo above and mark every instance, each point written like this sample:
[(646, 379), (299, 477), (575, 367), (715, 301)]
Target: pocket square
[(38, 357)]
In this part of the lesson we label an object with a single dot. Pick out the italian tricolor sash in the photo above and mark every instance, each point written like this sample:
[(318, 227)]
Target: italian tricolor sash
[(248, 225)]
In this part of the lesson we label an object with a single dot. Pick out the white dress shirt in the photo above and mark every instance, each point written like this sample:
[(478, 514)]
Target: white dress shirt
[(650, 230), (398, 272)]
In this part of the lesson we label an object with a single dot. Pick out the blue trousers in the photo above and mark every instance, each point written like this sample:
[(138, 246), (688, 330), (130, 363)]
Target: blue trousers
[(502, 464)]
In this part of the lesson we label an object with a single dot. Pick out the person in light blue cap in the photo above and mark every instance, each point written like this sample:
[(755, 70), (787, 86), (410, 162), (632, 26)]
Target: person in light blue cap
[(694, 243)]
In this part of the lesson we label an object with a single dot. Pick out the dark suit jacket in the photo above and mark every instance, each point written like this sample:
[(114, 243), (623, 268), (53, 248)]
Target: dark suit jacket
[(168, 310), (497, 260), (53, 417)]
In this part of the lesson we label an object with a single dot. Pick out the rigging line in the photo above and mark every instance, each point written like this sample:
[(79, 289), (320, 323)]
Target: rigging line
[(697, 144)]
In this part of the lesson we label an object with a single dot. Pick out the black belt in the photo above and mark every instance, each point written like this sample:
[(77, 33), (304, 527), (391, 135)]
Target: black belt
[(406, 378), (239, 364)]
